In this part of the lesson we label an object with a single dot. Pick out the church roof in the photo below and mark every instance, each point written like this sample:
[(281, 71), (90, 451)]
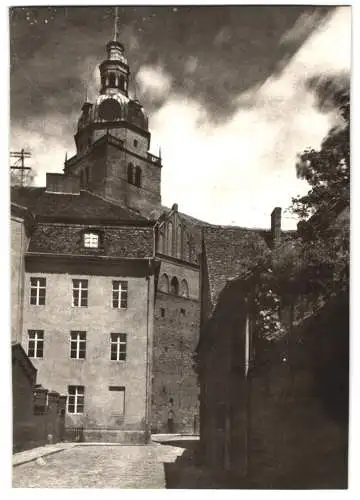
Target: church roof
[(83, 207), (230, 252)]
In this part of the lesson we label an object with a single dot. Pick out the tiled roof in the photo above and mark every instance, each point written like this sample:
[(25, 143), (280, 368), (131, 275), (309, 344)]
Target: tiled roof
[(116, 241), (230, 252), (84, 206)]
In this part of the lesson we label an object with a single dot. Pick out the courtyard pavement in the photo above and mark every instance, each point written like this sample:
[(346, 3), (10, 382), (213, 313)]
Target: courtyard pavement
[(99, 466)]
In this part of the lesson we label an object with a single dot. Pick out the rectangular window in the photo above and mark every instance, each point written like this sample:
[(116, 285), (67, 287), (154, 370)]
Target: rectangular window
[(120, 294), (80, 293), (116, 400), (76, 397), (78, 345), (91, 240), (118, 346), (37, 291), (35, 343)]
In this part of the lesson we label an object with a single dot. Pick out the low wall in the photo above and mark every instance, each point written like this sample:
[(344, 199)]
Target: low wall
[(45, 425)]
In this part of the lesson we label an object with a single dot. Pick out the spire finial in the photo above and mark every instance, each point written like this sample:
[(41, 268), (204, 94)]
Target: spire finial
[(65, 158), (116, 24)]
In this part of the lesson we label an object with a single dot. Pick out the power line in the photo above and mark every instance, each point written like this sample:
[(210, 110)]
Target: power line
[(20, 163)]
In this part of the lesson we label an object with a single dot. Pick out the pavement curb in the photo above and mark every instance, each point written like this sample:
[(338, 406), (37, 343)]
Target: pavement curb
[(20, 461)]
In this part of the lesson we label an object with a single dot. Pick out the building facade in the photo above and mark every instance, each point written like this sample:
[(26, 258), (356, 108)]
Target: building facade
[(111, 277)]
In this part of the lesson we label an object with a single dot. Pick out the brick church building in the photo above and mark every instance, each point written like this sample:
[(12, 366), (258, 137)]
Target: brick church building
[(110, 307)]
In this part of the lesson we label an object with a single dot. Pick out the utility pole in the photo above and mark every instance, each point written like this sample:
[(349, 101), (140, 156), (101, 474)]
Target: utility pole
[(20, 163)]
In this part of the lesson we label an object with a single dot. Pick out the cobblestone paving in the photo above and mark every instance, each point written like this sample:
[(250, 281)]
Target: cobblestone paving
[(99, 467)]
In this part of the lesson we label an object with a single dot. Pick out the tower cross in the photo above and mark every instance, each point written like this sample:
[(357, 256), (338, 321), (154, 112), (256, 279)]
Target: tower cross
[(116, 20)]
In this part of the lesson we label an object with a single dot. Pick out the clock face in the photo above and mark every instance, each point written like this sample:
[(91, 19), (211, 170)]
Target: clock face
[(110, 110)]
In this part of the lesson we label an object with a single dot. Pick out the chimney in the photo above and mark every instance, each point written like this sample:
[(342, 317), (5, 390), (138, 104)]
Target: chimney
[(64, 184), (276, 226)]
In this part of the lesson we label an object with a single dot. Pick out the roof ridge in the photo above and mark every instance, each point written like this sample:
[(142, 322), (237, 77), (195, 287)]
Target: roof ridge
[(111, 202)]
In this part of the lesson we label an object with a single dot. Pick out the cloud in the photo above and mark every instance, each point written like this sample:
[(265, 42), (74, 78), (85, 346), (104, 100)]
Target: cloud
[(191, 64), (222, 37), (153, 82), (237, 171), (302, 28), (47, 139)]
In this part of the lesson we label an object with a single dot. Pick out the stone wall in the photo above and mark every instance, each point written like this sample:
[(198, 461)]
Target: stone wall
[(174, 384), (38, 415)]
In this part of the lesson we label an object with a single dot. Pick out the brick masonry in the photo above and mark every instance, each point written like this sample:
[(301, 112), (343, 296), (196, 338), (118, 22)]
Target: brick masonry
[(176, 330)]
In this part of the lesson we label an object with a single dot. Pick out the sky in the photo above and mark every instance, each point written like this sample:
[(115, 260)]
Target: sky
[(227, 90)]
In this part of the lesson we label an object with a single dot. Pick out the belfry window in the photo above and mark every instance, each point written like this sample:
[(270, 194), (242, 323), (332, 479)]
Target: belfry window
[(138, 176), (112, 80), (122, 82), (130, 173)]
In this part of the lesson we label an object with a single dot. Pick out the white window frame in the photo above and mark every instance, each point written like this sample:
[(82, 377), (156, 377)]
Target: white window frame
[(119, 340), (76, 398), (120, 291), (35, 285), (82, 288), (80, 344), (36, 338), (91, 239)]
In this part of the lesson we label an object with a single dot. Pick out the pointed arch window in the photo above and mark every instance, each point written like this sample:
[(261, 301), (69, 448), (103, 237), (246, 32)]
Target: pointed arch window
[(161, 241), (164, 283), (138, 176), (130, 173), (187, 246), (178, 241), (169, 238), (184, 288), (174, 286)]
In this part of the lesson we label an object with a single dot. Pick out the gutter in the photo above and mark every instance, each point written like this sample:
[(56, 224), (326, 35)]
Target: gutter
[(147, 360)]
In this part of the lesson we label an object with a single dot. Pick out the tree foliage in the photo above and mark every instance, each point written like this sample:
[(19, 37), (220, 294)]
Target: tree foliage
[(324, 227)]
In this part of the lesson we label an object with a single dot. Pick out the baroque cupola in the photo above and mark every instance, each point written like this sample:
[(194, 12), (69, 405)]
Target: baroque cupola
[(113, 108), (113, 140)]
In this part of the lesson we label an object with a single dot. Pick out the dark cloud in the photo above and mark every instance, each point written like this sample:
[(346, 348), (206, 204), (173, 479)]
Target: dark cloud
[(235, 47)]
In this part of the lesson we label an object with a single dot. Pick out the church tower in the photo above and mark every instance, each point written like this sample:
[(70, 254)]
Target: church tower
[(113, 140)]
